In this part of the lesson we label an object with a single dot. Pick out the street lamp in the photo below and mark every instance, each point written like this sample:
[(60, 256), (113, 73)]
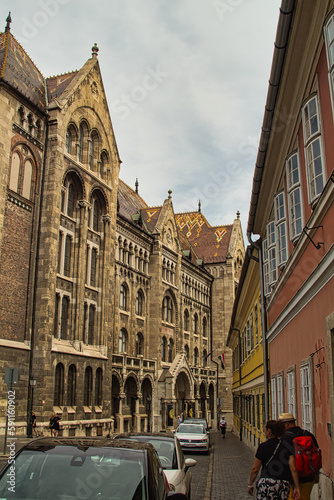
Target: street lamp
[(32, 385)]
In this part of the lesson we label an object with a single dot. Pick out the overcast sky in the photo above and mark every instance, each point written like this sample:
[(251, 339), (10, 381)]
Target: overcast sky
[(186, 82)]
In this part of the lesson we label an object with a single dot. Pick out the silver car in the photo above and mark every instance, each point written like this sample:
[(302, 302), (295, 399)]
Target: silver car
[(193, 437), (175, 466)]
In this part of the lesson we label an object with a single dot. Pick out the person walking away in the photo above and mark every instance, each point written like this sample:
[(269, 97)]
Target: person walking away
[(34, 423), (179, 420), (56, 427), (276, 470), (51, 423), (292, 431), (222, 425)]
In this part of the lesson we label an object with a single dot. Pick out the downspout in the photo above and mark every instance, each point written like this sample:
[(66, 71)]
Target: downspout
[(240, 392), (281, 42)]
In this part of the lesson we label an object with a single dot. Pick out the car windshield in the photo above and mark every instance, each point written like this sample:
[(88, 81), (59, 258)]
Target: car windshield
[(191, 429), (70, 472), (196, 421), (166, 450)]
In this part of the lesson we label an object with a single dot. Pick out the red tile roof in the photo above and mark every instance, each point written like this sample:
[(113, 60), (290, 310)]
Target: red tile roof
[(210, 243), (56, 85), (129, 201)]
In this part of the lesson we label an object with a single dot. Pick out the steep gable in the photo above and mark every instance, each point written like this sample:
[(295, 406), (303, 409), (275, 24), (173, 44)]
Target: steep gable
[(210, 243)]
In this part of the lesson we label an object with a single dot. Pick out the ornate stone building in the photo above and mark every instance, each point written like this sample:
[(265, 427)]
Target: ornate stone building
[(113, 311)]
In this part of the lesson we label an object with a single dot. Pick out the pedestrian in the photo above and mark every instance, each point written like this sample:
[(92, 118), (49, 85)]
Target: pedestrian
[(51, 423), (179, 420), (56, 427), (276, 467), (222, 425), (33, 423), (292, 431)]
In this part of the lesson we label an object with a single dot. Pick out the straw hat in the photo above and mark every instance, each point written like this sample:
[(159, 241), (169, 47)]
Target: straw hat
[(286, 417)]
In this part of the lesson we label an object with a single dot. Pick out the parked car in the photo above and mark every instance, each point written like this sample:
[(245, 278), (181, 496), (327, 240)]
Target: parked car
[(193, 437), (85, 469), (176, 467), (202, 421)]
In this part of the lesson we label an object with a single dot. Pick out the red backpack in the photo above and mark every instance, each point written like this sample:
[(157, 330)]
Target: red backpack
[(307, 456)]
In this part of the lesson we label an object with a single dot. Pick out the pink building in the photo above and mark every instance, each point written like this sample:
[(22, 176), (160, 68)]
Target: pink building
[(293, 213)]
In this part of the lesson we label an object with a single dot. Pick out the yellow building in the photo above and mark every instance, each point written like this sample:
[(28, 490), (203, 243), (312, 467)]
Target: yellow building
[(250, 402)]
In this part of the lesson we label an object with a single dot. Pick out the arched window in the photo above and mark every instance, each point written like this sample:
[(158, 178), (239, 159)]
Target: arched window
[(98, 387), (139, 303), (103, 164), (88, 386), (64, 321), (186, 320), (186, 350), (195, 358), (123, 295), (22, 172), (71, 386), (122, 340), (167, 309), (163, 349), (67, 255), (195, 324), (58, 399), (81, 142), (69, 141), (170, 350), (205, 329), (139, 344), (91, 324), (205, 358)]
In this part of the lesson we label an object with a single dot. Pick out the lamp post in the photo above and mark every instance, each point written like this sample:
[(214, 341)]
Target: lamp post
[(32, 385), (148, 403)]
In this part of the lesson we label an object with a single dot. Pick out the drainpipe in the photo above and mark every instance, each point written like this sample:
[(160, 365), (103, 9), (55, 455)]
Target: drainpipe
[(281, 43), (215, 362), (240, 392)]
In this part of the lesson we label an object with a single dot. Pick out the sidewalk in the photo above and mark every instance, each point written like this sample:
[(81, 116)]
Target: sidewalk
[(232, 462)]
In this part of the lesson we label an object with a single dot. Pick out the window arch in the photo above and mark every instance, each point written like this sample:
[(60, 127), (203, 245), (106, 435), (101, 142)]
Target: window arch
[(139, 344), (71, 193), (186, 350), (88, 386), (96, 212), (22, 172), (58, 399), (139, 303), (163, 349), (167, 309), (170, 350), (83, 136), (103, 164), (98, 387), (122, 340), (123, 297), (195, 357), (195, 324), (71, 385), (186, 320), (93, 149), (205, 327)]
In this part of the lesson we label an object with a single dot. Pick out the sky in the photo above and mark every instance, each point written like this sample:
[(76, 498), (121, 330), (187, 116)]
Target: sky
[(186, 83)]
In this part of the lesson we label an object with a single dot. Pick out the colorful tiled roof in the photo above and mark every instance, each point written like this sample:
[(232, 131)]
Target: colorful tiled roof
[(129, 201), (150, 217), (56, 85), (210, 243), (19, 71)]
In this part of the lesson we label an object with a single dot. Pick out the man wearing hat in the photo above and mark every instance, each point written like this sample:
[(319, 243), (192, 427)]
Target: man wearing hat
[(291, 431)]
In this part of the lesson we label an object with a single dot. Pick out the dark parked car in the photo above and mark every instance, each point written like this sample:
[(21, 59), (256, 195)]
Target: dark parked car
[(85, 469), (175, 465)]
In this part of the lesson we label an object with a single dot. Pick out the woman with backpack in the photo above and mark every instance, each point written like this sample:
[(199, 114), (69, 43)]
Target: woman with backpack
[(276, 470)]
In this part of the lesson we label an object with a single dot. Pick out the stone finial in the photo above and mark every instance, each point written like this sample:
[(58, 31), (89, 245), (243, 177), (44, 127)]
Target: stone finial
[(8, 21), (95, 50), (169, 193), (238, 214), (199, 206), (136, 185)]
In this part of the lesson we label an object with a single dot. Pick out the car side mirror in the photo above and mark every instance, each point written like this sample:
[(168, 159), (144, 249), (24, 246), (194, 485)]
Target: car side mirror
[(189, 462)]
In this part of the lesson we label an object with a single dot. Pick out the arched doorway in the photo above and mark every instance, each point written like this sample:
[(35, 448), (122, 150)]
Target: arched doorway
[(183, 395), (129, 408), (146, 390)]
